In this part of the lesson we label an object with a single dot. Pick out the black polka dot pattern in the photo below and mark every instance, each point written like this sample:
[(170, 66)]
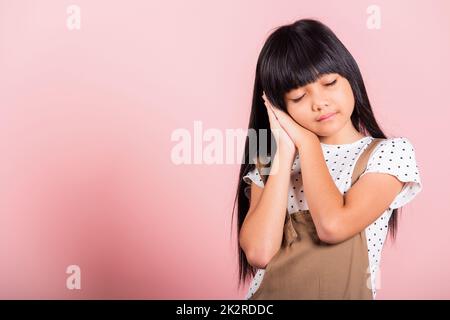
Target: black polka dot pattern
[(393, 156), (396, 157)]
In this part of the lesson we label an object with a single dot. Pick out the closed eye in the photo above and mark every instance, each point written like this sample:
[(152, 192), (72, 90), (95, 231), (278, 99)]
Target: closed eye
[(327, 84), (298, 99)]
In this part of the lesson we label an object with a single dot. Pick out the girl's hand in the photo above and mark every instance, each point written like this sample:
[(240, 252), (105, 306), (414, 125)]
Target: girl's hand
[(299, 135), (285, 145)]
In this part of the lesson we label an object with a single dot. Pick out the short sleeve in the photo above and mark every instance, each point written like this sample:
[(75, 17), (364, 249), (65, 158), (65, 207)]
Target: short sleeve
[(396, 156), (252, 176)]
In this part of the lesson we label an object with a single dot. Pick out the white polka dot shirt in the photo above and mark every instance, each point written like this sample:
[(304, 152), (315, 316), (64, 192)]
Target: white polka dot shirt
[(393, 156)]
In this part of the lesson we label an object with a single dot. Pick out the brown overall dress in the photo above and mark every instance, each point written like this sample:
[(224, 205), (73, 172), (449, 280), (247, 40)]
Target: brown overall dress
[(306, 268)]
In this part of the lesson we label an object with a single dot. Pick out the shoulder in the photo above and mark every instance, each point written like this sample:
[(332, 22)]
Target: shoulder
[(393, 150), (396, 142), (397, 157)]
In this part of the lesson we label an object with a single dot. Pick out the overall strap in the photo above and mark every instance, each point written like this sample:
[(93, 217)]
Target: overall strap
[(361, 163), (290, 235), (289, 232)]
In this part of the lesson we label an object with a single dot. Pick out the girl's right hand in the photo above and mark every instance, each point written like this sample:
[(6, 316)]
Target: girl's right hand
[(285, 145)]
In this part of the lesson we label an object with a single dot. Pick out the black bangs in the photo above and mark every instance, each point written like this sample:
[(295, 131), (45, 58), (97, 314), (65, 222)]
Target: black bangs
[(293, 57)]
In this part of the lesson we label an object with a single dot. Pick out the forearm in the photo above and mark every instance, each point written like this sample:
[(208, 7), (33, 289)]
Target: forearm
[(264, 225), (323, 197)]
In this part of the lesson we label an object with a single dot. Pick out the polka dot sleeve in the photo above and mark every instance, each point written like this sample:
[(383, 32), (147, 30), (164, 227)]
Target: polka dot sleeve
[(396, 156), (252, 176)]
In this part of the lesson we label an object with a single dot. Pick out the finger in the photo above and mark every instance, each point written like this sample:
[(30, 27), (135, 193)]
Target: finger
[(272, 119), (275, 112), (266, 100), (280, 117), (268, 105), (272, 108), (271, 112)]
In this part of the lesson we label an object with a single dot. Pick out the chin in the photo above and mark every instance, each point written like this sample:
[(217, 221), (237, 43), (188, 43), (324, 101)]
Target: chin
[(324, 133), (328, 130)]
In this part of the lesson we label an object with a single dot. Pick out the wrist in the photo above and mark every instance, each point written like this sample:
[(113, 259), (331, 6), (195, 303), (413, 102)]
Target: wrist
[(282, 161), (306, 141)]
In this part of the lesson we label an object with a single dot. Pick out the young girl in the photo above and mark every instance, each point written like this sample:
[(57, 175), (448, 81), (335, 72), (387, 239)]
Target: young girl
[(343, 179)]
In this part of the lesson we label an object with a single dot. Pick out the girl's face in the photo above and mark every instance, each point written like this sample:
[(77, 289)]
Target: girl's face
[(330, 94)]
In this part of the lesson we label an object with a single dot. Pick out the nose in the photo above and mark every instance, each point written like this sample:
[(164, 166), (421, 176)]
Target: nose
[(319, 100), (320, 107)]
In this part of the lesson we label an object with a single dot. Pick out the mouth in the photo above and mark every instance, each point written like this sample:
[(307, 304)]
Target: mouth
[(326, 116)]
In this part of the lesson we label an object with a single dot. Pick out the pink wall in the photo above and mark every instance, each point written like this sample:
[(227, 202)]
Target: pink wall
[(86, 117)]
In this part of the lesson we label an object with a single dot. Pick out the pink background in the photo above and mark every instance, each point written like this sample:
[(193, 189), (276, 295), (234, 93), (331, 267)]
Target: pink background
[(86, 118)]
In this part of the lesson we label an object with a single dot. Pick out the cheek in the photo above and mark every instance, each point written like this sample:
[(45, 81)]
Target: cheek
[(344, 99), (300, 116)]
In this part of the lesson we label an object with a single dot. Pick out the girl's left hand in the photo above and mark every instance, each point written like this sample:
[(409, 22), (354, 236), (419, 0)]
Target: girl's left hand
[(296, 132)]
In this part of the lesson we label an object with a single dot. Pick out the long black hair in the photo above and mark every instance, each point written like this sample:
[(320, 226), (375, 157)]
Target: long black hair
[(295, 55)]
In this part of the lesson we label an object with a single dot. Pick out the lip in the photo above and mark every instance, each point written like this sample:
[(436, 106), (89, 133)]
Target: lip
[(326, 116)]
